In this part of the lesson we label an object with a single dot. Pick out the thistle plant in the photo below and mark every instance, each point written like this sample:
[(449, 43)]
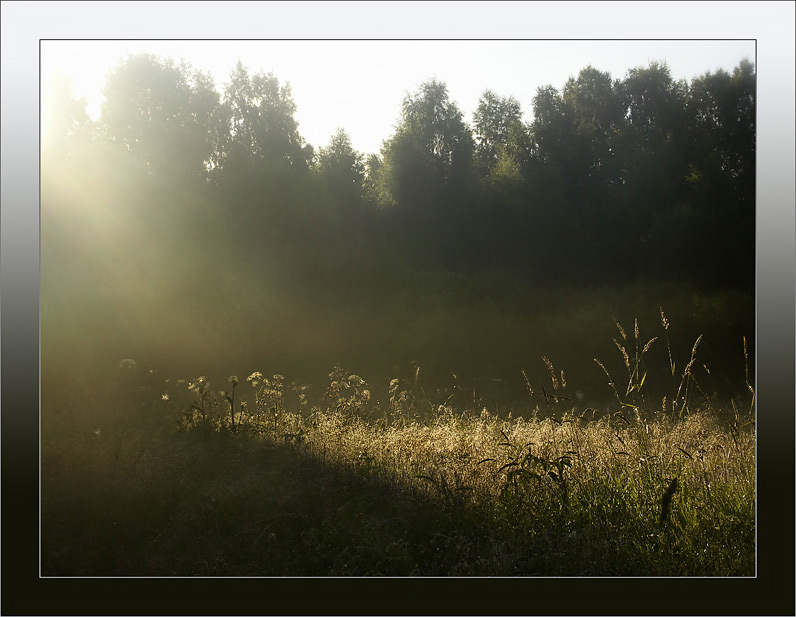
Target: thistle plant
[(202, 403), (231, 400), (269, 398), (402, 402), (347, 394)]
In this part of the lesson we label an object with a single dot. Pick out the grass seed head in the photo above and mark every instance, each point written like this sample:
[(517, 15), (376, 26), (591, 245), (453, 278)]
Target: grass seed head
[(621, 330), (648, 345)]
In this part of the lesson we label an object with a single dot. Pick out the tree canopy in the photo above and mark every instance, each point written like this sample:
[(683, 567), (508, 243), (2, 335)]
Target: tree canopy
[(640, 177)]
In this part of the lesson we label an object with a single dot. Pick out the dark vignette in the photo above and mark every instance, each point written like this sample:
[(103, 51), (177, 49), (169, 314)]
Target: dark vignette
[(25, 593)]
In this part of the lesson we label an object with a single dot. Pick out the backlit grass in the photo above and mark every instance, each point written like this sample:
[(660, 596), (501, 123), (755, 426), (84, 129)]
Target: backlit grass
[(269, 478)]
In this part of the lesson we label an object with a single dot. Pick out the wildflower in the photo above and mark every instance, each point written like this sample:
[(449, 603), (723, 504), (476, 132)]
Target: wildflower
[(233, 380), (255, 378), (164, 396)]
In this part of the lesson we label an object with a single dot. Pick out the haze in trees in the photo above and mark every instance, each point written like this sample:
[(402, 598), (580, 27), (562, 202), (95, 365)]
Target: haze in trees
[(195, 227)]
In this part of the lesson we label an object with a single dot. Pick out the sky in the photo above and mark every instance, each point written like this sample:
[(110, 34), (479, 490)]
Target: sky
[(358, 85)]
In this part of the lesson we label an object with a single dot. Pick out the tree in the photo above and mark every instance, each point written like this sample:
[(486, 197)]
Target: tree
[(652, 150), (342, 172), (207, 119), (261, 129), (503, 151), (576, 170), (161, 113), (720, 198), (596, 114), (428, 161), (723, 108), (498, 127), (372, 181), (654, 104)]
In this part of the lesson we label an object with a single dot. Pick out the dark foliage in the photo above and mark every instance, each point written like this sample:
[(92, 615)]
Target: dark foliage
[(184, 202)]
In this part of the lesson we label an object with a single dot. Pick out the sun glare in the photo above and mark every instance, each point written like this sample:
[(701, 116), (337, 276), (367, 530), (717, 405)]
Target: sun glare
[(49, 107), (360, 84)]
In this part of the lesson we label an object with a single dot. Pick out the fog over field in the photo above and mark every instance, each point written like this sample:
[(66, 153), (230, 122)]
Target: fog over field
[(196, 230)]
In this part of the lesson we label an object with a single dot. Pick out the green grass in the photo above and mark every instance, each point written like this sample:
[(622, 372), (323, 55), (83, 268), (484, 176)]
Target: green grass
[(357, 480)]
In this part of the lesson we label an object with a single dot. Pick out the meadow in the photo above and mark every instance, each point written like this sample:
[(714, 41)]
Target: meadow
[(258, 474), (263, 357)]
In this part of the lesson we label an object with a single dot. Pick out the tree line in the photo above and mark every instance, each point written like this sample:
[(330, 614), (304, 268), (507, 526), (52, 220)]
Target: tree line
[(611, 181)]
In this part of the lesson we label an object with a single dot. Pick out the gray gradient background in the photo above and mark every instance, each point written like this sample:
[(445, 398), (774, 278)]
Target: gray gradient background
[(772, 24)]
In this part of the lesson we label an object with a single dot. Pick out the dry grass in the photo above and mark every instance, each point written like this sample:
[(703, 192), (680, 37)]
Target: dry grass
[(267, 481)]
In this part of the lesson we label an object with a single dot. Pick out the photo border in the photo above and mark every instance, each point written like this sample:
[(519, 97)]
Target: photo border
[(24, 592)]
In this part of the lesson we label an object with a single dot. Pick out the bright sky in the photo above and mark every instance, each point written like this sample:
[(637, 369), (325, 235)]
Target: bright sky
[(359, 85)]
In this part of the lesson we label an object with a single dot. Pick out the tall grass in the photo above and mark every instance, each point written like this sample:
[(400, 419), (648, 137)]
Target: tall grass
[(405, 480)]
